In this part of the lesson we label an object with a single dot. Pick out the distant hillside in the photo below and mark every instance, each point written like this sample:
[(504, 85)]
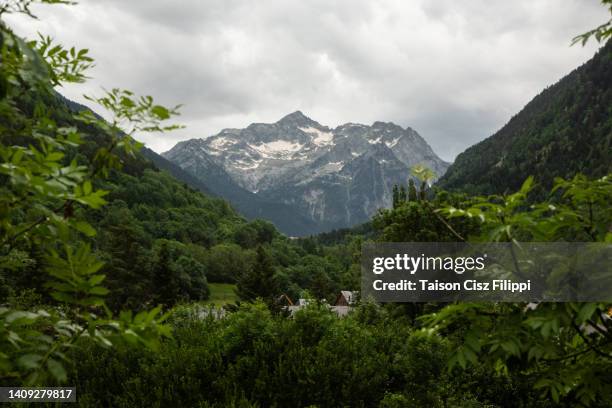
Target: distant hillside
[(566, 129), (210, 178), (174, 170)]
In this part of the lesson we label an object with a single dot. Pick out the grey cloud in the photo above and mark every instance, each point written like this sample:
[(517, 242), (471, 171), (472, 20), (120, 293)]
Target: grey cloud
[(454, 71)]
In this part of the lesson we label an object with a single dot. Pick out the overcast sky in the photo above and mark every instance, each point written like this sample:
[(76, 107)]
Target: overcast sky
[(455, 71)]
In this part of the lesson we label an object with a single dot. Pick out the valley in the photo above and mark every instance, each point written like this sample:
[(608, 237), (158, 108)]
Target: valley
[(232, 269)]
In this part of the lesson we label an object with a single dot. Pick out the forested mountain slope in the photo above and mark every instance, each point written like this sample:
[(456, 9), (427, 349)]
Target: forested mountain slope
[(211, 178), (566, 129), (149, 234)]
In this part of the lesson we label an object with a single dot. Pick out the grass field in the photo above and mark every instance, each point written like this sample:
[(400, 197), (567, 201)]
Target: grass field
[(221, 293)]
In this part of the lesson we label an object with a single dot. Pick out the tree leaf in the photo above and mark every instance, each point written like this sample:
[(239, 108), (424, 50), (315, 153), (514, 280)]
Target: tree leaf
[(57, 370)]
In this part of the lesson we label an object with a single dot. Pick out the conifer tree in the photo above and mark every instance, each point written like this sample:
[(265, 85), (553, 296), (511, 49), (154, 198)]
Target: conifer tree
[(166, 285), (259, 281), (395, 196), (412, 192), (402, 194)]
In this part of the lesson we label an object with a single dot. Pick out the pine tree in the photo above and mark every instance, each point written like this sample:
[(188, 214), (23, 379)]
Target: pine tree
[(412, 192), (166, 286), (423, 191), (320, 285), (395, 196), (259, 281), (402, 194)]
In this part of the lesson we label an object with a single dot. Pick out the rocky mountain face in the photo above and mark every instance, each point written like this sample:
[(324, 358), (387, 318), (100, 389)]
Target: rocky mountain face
[(331, 178)]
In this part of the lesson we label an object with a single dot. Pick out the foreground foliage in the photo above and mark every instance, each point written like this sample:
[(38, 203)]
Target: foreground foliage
[(253, 358), (45, 189), (568, 346)]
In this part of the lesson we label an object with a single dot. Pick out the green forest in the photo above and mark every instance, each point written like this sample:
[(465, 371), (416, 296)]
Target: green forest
[(141, 290)]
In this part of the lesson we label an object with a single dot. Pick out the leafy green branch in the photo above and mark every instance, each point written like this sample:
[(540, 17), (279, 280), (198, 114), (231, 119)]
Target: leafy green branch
[(565, 344), (45, 178), (600, 33), (65, 65), (24, 6)]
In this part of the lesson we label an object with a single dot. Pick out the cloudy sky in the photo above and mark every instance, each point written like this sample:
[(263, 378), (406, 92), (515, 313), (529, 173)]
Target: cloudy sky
[(455, 71)]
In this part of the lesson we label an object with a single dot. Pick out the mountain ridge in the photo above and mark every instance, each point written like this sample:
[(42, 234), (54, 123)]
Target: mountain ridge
[(317, 170), (565, 129)]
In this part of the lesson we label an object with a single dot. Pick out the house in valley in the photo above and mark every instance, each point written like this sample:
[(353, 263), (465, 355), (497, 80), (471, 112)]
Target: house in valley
[(346, 298), (345, 301)]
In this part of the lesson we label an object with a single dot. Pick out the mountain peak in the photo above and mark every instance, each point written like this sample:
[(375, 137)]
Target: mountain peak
[(386, 125), (295, 115), (296, 118)]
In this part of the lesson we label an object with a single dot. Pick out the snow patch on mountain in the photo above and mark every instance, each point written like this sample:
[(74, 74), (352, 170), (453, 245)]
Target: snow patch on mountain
[(393, 142), (277, 148), (321, 138), (247, 164), (221, 143)]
